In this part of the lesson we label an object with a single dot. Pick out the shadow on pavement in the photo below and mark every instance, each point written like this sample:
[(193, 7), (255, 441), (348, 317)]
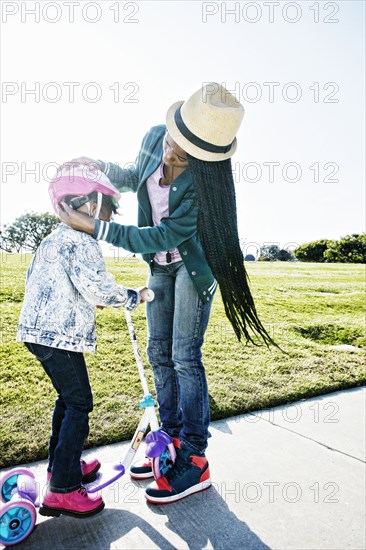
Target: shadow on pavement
[(201, 520), (205, 520), (98, 532)]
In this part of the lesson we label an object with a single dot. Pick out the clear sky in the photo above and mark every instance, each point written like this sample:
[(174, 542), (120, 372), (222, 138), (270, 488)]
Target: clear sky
[(297, 67)]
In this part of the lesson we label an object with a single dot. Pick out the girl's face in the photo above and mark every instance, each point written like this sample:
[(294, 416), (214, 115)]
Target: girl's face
[(173, 155)]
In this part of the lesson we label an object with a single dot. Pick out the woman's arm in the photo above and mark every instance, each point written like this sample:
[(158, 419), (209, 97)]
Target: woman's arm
[(170, 233), (125, 179), (128, 179)]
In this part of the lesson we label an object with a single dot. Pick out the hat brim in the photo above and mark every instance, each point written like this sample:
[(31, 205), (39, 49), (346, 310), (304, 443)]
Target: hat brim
[(189, 147)]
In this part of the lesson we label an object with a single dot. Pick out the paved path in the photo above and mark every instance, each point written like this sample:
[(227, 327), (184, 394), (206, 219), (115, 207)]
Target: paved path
[(291, 477)]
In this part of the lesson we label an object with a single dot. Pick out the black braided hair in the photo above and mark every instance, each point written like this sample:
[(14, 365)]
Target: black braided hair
[(218, 233)]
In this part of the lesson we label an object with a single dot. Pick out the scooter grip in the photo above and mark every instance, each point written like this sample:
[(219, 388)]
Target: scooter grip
[(147, 294), (156, 442)]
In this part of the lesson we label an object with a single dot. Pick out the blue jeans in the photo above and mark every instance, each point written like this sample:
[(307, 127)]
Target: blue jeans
[(177, 320), (70, 422)]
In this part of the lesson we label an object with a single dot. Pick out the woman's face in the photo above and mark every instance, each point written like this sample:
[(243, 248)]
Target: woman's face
[(173, 155)]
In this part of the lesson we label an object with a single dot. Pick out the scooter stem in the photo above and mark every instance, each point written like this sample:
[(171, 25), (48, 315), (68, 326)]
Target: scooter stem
[(136, 352)]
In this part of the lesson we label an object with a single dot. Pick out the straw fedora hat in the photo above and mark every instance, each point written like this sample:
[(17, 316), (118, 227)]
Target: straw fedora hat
[(206, 124)]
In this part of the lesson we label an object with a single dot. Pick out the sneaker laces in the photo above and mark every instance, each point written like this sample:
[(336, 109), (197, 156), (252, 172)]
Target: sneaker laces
[(180, 466), (83, 492)]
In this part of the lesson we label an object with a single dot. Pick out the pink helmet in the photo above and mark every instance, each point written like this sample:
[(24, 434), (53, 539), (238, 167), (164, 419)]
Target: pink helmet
[(80, 181)]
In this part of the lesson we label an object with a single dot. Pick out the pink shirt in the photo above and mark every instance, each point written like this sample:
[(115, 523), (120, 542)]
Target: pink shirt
[(159, 200)]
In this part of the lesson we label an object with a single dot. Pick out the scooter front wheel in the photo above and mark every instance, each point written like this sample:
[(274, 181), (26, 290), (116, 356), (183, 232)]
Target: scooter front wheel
[(162, 464), (17, 521)]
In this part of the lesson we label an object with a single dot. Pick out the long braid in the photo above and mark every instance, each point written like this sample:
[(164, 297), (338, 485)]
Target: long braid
[(218, 232)]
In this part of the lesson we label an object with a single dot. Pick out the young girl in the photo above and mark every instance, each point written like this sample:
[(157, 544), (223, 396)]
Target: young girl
[(187, 233), (65, 281)]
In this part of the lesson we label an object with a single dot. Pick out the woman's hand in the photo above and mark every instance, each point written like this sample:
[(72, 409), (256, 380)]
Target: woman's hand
[(79, 160), (76, 220)]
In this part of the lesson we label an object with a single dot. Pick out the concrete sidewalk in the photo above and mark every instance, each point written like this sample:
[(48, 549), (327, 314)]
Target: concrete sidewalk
[(291, 477)]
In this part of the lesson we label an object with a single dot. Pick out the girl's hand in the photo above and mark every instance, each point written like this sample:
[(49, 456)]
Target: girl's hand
[(76, 220), (146, 294)]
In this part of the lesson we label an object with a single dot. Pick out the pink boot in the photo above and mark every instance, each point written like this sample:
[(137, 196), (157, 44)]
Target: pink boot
[(88, 469), (78, 504)]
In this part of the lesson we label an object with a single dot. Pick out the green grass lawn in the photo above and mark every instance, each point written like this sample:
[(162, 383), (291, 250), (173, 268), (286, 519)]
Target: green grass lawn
[(306, 308)]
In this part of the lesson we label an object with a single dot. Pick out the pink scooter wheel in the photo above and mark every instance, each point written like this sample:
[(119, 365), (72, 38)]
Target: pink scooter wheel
[(17, 521)]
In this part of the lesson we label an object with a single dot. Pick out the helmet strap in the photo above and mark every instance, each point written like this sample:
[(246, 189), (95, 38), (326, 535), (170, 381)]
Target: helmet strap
[(99, 205)]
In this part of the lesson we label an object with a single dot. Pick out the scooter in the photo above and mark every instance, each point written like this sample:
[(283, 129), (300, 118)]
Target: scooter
[(19, 489)]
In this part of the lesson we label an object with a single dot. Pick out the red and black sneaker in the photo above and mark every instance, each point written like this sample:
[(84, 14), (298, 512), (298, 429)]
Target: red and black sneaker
[(142, 469), (189, 474)]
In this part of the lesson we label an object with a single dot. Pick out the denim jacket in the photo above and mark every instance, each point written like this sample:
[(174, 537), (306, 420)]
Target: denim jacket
[(66, 279), (178, 230)]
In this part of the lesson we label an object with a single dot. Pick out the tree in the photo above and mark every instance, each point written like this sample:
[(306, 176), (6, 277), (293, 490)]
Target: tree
[(27, 232), (272, 253), (285, 256), (269, 253), (313, 251), (351, 248), (249, 258)]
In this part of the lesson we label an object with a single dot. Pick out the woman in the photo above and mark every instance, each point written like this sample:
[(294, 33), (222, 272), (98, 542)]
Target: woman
[(187, 232)]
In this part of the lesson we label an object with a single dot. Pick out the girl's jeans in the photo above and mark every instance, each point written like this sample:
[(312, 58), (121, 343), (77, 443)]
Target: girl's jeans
[(70, 423), (177, 320)]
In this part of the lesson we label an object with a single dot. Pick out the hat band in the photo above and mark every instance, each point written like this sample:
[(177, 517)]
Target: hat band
[(195, 140)]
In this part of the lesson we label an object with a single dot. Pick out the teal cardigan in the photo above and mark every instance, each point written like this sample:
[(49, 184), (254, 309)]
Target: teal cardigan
[(179, 230)]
